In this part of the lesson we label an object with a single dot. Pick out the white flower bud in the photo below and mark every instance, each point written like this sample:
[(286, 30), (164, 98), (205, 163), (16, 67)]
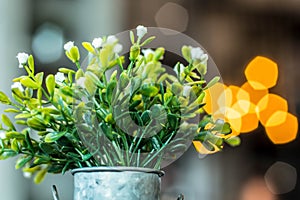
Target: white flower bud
[(111, 39), (68, 45), (59, 77), (141, 31), (181, 69), (17, 85), (22, 58), (118, 48), (196, 53), (97, 42), (2, 134)]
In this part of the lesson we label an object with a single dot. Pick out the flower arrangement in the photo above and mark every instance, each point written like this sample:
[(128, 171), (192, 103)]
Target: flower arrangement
[(118, 111)]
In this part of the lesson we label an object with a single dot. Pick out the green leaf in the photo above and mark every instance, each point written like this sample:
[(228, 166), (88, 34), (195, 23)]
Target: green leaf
[(21, 162), (233, 141), (131, 37), (28, 82), (212, 82), (104, 54), (40, 176), (53, 136), (30, 62), (50, 84), (88, 47), (110, 90), (74, 53), (186, 53), (7, 122), (79, 74), (148, 40), (11, 110), (66, 70), (39, 78), (7, 153), (149, 90), (36, 123), (4, 99), (14, 134)]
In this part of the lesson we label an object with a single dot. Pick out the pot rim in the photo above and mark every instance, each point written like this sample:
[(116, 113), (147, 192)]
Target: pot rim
[(160, 173)]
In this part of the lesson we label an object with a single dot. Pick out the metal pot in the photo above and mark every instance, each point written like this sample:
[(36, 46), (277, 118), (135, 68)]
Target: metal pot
[(116, 183)]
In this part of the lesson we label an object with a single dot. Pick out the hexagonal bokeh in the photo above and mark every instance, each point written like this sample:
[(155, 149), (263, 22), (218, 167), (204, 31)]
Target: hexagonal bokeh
[(262, 73)]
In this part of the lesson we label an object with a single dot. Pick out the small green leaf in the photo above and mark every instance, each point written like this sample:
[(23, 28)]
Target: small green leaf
[(148, 40), (233, 141), (21, 162), (30, 62), (40, 176), (186, 53), (28, 82), (66, 70), (39, 78), (7, 153), (7, 122), (88, 47), (149, 90), (4, 99), (50, 84), (47, 148), (131, 37), (110, 90), (74, 53), (14, 134), (212, 82), (11, 110), (53, 136)]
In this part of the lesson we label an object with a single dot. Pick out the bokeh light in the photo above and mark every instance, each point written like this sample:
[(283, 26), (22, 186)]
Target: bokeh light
[(282, 127), (269, 104), (255, 95), (281, 178), (262, 73)]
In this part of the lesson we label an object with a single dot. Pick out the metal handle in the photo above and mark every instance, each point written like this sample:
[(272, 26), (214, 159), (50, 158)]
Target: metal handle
[(54, 192)]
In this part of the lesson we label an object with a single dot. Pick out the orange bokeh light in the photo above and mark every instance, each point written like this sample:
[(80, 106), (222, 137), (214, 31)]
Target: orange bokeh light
[(284, 132), (262, 73), (268, 105), (255, 95), (212, 95)]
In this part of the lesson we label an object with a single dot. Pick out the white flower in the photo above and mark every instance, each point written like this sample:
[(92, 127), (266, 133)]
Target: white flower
[(2, 135), (69, 45), (59, 77), (141, 31), (181, 69), (204, 57), (80, 82), (22, 58), (97, 42), (147, 52), (118, 48), (17, 85), (111, 39), (196, 53)]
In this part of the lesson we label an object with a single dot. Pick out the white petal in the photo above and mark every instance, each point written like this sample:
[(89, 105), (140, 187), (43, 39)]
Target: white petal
[(2, 134), (59, 77), (17, 85), (111, 39), (118, 48), (97, 42), (22, 58), (68, 45), (141, 31), (196, 53)]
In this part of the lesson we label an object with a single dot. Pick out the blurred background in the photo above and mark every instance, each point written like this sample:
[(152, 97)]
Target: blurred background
[(232, 31)]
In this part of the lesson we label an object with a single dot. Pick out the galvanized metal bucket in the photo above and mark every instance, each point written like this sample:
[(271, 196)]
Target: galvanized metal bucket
[(116, 183)]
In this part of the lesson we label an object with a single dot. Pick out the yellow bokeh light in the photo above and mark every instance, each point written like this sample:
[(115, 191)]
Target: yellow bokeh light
[(238, 94), (268, 105), (255, 95), (249, 119), (234, 118), (276, 118), (212, 95), (262, 73), (284, 132)]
